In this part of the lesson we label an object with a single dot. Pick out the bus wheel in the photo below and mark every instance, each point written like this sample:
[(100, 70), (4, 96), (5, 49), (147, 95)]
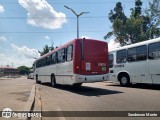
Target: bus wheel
[(77, 85), (124, 80), (53, 81)]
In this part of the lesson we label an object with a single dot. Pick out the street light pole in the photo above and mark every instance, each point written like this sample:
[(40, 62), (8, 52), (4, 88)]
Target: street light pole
[(77, 26), (77, 15)]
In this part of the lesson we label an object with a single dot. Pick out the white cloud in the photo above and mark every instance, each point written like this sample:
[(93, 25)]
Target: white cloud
[(1, 9), (19, 56), (3, 39), (8, 60), (15, 60), (112, 44), (42, 14), (47, 37), (26, 52), (4, 60)]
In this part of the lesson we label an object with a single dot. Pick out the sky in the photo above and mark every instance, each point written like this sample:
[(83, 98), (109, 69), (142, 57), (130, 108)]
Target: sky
[(27, 25)]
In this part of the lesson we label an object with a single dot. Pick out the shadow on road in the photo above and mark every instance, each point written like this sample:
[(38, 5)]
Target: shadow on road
[(85, 90), (139, 86)]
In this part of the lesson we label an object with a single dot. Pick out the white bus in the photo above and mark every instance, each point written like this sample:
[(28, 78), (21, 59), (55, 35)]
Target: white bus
[(136, 63), (76, 62)]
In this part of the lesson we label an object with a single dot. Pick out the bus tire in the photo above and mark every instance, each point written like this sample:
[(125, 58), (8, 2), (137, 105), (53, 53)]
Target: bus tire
[(77, 85), (37, 81), (53, 81), (124, 80)]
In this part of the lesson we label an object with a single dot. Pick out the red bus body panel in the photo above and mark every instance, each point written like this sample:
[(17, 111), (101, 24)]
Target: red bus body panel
[(95, 61)]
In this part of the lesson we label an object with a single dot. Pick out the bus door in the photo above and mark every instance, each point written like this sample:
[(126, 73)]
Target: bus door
[(154, 62), (154, 70), (112, 74), (138, 72), (68, 79)]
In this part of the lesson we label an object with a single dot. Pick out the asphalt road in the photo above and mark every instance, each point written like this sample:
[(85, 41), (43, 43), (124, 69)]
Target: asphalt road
[(103, 96), (15, 92)]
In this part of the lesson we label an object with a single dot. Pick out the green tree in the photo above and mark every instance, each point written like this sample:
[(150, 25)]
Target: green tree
[(118, 20), (117, 13), (46, 49), (52, 47), (139, 24), (136, 12), (131, 30), (153, 13), (23, 70)]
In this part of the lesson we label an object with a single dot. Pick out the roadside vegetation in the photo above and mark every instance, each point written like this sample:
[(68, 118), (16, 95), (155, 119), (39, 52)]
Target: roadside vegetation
[(142, 24)]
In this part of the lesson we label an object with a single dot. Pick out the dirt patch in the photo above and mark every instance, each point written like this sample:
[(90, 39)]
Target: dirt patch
[(24, 95)]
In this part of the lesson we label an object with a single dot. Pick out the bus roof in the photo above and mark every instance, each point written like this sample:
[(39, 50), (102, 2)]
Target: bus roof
[(72, 41), (56, 49), (137, 44)]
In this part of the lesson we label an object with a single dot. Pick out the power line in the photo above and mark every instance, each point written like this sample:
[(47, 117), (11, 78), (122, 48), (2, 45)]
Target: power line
[(27, 32), (90, 17), (88, 3)]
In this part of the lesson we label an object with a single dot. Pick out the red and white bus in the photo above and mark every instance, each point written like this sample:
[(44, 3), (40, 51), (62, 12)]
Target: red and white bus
[(78, 61)]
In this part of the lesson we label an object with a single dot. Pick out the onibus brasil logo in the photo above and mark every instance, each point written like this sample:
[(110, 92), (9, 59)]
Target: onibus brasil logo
[(7, 113)]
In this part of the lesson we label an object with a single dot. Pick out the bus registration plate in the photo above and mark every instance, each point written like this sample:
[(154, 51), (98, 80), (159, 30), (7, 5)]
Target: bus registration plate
[(103, 68)]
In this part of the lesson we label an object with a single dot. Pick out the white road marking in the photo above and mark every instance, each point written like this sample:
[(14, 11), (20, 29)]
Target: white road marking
[(60, 114)]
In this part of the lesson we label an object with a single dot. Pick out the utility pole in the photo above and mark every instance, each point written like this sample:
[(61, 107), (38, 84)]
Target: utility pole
[(77, 15)]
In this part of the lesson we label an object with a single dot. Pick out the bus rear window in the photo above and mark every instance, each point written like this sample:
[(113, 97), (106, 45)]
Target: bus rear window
[(94, 49)]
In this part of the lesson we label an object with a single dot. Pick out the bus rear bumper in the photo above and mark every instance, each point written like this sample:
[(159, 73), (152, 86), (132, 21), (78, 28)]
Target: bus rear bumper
[(91, 78)]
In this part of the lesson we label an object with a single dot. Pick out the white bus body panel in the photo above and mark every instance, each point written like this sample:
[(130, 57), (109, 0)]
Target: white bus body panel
[(154, 70), (90, 78), (139, 72), (62, 75), (66, 76)]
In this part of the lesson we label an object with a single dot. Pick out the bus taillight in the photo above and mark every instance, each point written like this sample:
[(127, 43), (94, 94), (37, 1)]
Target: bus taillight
[(77, 68)]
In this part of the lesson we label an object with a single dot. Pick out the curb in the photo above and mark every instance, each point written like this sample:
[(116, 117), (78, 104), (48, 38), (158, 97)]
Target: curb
[(37, 104), (29, 104), (34, 103)]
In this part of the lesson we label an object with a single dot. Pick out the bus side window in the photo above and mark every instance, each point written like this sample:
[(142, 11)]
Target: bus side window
[(142, 53), (69, 54), (110, 60), (40, 63), (154, 51), (54, 58), (48, 58), (44, 62), (37, 64), (132, 54), (51, 60), (61, 55), (121, 56)]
